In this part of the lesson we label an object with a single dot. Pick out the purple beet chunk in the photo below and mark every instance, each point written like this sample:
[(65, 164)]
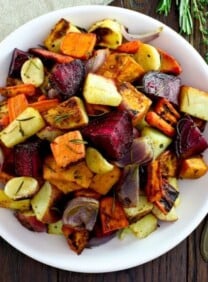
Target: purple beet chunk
[(189, 139), (111, 133), (67, 78), (162, 85), (27, 159), (18, 59)]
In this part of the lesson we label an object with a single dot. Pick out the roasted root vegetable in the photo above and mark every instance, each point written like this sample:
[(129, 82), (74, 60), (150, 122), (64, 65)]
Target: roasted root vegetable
[(49, 55), (29, 220), (76, 239), (21, 187), (159, 140), (148, 57), (108, 33), (158, 84), (112, 215), (24, 126), (193, 167), (7, 202), (16, 105), (142, 208), (74, 177), (101, 90), (32, 72), (96, 162), (28, 158), (61, 28), (68, 148), (67, 78), (45, 203), (144, 226), (112, 133), (78, 45), (18, 59), (194, 102), (121, 67), (168, 64), (11, 91), (70, 114), (134, 101), (102, 183)]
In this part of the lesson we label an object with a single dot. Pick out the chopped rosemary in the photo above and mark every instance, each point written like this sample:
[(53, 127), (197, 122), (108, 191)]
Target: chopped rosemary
[(188, 10), (25, 119), (78, 141), (61, 117), (19, 188)]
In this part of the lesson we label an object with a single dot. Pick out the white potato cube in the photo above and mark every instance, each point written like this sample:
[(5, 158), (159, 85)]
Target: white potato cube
[(101, 90)]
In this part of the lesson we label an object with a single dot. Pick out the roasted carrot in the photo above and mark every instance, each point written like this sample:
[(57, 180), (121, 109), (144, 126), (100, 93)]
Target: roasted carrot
[(42, 97), (11, 91), (16, 105), (4, 121), (112, 215), (167, 111), (168, 63), (158, 122), (130, 47), (78, 45), (58, 58), (44, 105)]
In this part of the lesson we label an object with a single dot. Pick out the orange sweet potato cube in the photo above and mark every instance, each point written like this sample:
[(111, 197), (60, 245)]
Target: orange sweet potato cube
[(68, 148), (193, 167)]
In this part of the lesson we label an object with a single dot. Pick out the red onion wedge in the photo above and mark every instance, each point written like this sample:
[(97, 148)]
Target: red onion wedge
[(99, 57), (81, 213), (141, 152), (144, 37), (127, 189), (189, 140)]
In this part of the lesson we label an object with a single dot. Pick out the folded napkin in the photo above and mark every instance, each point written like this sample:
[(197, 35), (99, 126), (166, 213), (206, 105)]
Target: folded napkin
[(15, 13)]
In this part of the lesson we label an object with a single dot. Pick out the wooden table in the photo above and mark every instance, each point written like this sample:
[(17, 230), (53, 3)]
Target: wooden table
[(181, 264)]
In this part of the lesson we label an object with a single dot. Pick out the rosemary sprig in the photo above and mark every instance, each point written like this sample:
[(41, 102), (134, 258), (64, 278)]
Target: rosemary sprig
[(189, 10)]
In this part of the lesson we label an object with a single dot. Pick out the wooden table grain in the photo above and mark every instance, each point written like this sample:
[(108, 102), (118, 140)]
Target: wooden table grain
[(181, 264)]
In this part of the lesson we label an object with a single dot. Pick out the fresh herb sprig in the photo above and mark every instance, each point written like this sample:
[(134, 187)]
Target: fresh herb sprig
[(189, 10)]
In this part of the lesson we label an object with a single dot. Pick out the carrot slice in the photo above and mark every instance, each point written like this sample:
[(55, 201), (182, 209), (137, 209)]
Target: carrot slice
[(44, 105), (158, 122), (130, 47), (16, 105), (112, 215), (78, 45), (4, 121), (11, 91), (59, 58)]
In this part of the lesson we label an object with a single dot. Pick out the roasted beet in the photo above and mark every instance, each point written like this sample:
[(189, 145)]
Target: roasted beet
[(189, 139), (162, 85), (111, 133), (67, 78), (18, 59), (28, 159)]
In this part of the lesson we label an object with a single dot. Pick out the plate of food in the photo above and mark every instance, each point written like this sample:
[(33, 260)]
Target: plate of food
[(103, 139)]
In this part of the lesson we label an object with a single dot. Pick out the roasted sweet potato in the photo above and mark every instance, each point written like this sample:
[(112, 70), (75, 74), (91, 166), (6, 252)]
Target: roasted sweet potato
[(112, 215)]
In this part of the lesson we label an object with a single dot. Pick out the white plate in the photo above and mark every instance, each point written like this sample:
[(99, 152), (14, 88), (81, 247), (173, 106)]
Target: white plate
[(115, 255)]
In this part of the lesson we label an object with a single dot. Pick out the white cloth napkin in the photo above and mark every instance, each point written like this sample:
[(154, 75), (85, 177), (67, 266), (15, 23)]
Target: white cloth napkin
[(15, 13)]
